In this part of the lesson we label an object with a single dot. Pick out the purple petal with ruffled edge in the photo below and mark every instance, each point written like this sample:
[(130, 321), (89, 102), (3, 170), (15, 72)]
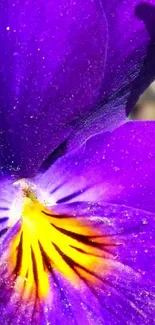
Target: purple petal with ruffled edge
[(51, 63)]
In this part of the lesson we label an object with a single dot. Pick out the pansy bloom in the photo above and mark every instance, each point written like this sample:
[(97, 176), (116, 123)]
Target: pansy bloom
[(77, 193)]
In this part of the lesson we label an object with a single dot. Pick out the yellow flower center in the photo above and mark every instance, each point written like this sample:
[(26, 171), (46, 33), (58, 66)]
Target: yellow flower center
[(48, 243)]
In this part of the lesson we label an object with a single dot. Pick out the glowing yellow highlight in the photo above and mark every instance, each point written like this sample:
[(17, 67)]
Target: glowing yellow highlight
[(41, 233)]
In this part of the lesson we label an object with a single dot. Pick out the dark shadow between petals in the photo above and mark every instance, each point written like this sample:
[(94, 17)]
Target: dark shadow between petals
[(146, 13)]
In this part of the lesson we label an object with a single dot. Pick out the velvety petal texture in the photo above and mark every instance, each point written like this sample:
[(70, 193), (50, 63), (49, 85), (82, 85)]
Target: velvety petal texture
[(68, 69), (117, 167), (118, 289), (51, 66), (131, 36), (129, 66), (78, 244)]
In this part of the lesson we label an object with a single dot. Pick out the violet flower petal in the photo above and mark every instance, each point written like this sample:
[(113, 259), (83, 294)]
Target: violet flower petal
[(117, 167), (51, 63), (44, 48), (125, 293), (129, 67), (121, 234)]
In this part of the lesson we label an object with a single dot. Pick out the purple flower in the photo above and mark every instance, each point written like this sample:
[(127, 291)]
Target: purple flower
[(76, 204)]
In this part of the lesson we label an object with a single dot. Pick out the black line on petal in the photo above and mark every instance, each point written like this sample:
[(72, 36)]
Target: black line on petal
[(3, 219), (74, 264), (108, 251), (47, 261), (57, 188), (3, 231), (57, 153), (45, 258), (68, 260), (19, 256), (4, 208), (80, 238), (80, 250), (71, 196), (61, 216)]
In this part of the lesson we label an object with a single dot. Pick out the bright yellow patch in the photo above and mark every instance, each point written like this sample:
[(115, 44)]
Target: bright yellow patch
[(48, 242)]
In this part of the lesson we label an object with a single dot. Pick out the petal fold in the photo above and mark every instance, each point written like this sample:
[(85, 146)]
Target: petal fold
[(44, 45), (129, 67)]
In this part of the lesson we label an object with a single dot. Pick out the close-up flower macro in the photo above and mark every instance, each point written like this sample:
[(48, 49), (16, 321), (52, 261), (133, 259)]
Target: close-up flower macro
[(77, 175)]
